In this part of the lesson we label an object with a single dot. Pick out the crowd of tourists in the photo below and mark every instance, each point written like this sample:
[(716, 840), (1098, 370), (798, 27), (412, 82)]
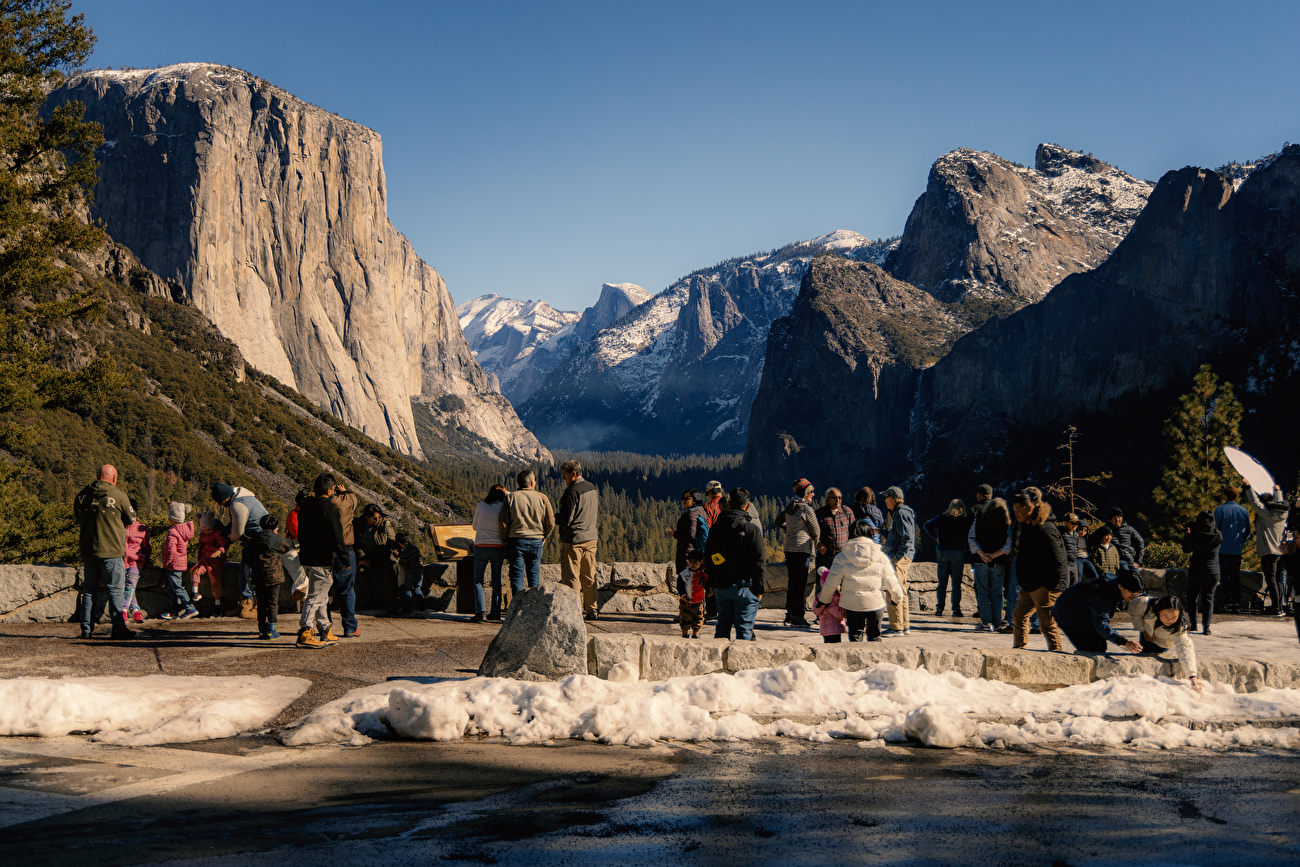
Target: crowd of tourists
[(1032, 574)]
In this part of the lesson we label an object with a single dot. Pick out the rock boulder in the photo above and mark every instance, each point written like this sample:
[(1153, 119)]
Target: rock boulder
[(543, 637)]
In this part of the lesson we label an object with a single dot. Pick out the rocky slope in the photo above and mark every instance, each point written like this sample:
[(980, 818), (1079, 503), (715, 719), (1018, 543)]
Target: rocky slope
[(1207, 274), (270, 216), (679, 372), (520, 342), (986, 227)]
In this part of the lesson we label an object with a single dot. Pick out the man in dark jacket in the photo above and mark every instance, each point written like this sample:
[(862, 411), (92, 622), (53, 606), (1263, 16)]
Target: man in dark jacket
[(735, 561), (1041, 568), (1132, 547), (1083, 612), (103, 513), (990, 542), (577, 522), (321, 542)]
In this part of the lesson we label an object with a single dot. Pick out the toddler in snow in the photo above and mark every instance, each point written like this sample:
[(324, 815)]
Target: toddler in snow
[(138, 554), (830, 616), (175, 559), (690, 594), (213, 543)]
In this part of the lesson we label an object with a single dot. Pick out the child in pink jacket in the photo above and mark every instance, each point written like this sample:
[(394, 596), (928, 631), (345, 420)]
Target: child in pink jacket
[(213, 543), (175, 560), (137, 556), (831, 615)]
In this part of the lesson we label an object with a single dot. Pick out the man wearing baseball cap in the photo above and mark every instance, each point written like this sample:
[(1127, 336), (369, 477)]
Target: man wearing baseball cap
[(900, 545)]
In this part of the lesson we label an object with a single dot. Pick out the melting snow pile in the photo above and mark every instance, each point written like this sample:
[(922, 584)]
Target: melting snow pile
[(138, 711), (883, 703)]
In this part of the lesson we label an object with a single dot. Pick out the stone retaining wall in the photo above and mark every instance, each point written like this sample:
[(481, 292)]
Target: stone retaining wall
[(659, 657)]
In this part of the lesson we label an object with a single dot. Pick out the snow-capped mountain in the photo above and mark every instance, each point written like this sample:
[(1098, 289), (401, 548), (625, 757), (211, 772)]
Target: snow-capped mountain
[(521, 341), (678, 373)]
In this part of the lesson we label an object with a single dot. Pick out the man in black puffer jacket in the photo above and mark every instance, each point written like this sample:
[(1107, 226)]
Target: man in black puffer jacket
[(734, 561), (1041, 568)]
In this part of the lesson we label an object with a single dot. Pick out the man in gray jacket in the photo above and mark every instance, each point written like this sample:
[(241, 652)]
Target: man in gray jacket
[(900, 545), (578, 521)]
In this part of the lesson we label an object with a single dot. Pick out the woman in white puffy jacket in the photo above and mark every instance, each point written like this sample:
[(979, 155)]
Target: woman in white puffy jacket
[(862, 573), (1163, 624)]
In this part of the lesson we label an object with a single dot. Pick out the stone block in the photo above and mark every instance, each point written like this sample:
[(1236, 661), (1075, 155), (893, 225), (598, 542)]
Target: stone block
[(444, 575), (54, 608), (612, 602), (643, 575), (1245, 675), (1281, 674), (969, 663), (682, 657), (1154, 581), (744, 655), (657, 602), (605, 650), (1128, 665), (440, 599), (543, 637), (1037, 667), (863, 655), (773, 599), (21, 585), (777, 578), (550, 573)]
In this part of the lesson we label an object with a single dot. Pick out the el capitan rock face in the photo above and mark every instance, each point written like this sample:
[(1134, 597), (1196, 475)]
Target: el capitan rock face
[(987, 227), (271, 216)]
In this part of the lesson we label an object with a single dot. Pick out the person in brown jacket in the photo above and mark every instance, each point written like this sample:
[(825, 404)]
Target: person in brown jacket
[(345, 567), (527, 518)]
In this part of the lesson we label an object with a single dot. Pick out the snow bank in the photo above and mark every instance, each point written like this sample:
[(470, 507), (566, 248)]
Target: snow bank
[(137, 711), (885, 701)]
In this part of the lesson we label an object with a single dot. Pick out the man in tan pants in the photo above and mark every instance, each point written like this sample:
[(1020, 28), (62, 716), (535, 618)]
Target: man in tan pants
[(900, 545), (577, 521)]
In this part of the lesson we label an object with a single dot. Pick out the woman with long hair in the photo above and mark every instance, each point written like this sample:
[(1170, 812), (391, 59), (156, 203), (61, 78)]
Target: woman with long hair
[(949, 531), (489, 549), (1202, 539), (1163, 624)]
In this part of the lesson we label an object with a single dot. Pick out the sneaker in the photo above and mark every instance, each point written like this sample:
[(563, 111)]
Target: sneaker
[(167, 615), (138, 616), (686, 635), (1006, 629), (958, 614), (307, 638), (353, 634), (888, 633), (938, 613), (907, 631), (87, 635), (188, 614), (1205, 631), (981, 627), (988, 627), (695, 635)]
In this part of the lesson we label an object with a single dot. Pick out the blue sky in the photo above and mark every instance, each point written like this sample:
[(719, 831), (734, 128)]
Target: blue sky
[(537, 150)]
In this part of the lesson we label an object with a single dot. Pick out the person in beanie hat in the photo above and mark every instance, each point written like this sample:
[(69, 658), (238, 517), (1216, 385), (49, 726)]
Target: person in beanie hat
[(802, 533), (1132, 547), (246, 513), (175, 561), (268, 575), (900, 546)]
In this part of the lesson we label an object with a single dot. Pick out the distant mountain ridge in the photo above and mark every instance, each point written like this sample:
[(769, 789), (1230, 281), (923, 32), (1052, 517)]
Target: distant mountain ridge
[(678, 373)]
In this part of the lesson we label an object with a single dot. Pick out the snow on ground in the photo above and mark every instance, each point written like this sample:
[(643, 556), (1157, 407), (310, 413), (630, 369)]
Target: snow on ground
[(138, 711), (883, 703)]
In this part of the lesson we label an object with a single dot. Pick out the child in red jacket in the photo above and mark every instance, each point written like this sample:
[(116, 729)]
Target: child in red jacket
[(213, 543), (138, 555), (690, 594)]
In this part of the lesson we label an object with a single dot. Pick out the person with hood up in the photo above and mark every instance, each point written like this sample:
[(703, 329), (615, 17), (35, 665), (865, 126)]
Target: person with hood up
[(175, 560), (735, 558), (138, 554), (1083, 611), (831, 619), (1202, 540), (861, 574), (900, 545), (103, 513), (1042, 569), (213, 543), (1270, 521), (949, 531), (1162, 624), (802, 532)]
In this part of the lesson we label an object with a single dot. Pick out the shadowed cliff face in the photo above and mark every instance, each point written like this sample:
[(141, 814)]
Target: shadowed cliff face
[(989, 228), (1204, 275), (271, 215), (839, 377)]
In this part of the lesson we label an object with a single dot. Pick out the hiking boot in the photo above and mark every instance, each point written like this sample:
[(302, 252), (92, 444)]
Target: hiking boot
[(247, 609), (307, 638), (271, 633), (329, 637), (298, 596)]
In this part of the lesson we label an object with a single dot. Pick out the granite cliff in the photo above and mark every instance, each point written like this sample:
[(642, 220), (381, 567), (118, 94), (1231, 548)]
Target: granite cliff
[(269, 215)]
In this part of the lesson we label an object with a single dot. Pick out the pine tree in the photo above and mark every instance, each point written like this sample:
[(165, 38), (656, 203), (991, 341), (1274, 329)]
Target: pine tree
[(1206, 419)]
